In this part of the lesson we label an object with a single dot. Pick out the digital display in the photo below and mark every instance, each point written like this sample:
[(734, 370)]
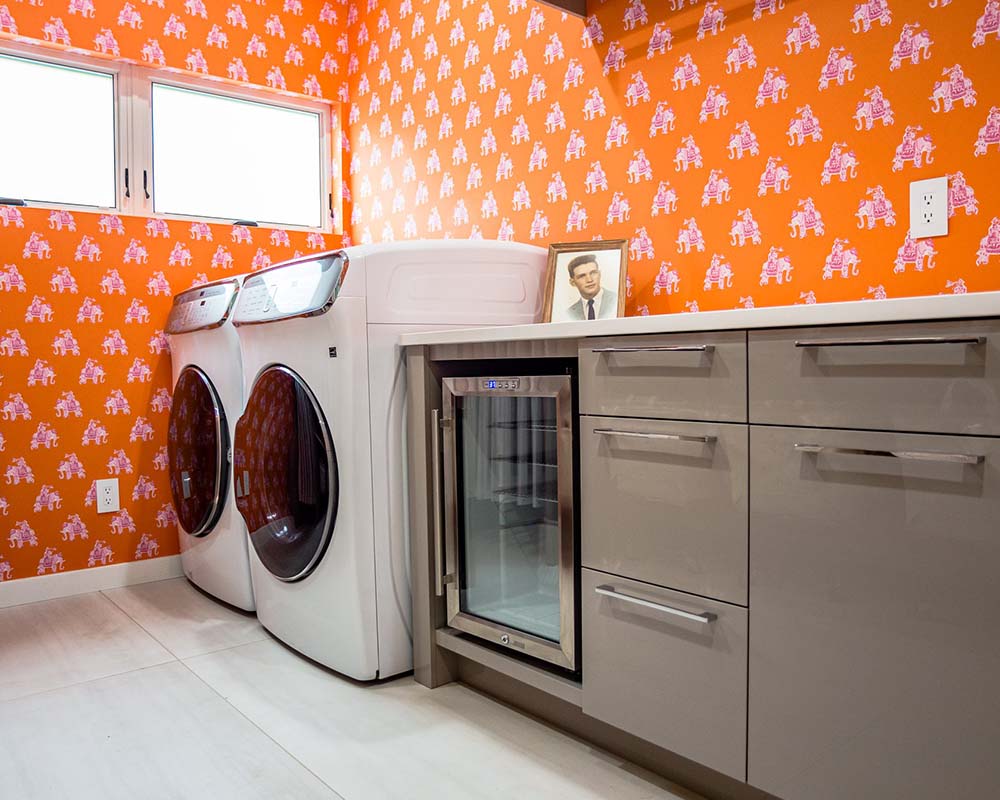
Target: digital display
[(501, 384)]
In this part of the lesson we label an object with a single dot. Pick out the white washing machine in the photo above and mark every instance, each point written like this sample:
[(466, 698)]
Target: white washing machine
[(319, 451), (207, 401)]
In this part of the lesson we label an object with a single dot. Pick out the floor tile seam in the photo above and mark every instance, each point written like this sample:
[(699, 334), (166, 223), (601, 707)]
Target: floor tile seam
[(95, 679), (255, 724), (141, 627)]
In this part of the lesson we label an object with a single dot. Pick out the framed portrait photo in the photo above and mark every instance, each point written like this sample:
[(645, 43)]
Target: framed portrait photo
[(585, 280)]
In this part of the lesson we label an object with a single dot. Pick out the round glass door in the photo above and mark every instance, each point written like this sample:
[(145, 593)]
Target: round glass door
[(286, 474), (197, 447)]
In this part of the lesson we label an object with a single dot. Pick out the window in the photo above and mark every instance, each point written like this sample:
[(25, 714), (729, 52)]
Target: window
[(61, 151), (79, 131), (218, 156)]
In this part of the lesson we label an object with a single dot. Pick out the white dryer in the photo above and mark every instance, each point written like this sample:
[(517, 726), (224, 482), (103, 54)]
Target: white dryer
[(318, 452), (207, 401)]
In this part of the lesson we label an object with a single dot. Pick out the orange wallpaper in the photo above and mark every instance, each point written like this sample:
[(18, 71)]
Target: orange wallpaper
[(754, 152), (84, 373)]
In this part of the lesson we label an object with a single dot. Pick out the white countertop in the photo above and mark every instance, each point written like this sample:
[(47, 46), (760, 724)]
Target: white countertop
[(939, 307)]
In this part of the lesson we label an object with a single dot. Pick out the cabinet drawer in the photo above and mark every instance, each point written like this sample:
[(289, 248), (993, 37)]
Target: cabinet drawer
[(681, 376), (875, 641), (672, 680), (666, 503), (938, 377)]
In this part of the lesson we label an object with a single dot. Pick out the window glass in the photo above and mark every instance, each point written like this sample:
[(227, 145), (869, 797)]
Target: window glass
[(234, 159), (57, 138)]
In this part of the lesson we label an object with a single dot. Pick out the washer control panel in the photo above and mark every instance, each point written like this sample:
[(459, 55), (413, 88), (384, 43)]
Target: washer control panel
[(304, 287), (202, 307)]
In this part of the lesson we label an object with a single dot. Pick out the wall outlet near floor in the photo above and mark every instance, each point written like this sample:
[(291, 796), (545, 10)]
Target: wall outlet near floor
[(929, 208), (107, 496)]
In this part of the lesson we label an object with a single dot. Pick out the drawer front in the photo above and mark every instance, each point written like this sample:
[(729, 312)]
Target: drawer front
[(680, 376), (875, 643), (842, 378), (666, 503), (674, 681)]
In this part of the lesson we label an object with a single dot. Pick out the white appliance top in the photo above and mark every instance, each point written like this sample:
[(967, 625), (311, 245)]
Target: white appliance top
[(905, 309), (203, 307), (304, 287)]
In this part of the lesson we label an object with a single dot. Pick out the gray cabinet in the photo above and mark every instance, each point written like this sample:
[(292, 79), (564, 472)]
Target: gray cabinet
[(667, 667), (941, 377), (875, 644), (700, 376), (666, 503)]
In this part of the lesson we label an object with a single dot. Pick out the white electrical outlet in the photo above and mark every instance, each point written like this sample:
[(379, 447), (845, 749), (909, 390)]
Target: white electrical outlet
[(107, 496), (929, 208)]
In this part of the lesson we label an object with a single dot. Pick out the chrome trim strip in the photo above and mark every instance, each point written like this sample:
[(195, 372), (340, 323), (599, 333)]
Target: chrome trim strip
[(316, 312), (225, 316), (704, 617), (890, 341), (677, 437), (911, 455)]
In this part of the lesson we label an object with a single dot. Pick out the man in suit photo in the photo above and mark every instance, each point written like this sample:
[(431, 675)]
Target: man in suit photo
[(594, 302)]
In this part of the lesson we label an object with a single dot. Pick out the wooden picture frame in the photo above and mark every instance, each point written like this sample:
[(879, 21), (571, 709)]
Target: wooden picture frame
[(566, 299)]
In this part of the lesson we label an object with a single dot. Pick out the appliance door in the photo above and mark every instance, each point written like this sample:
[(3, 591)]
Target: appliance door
[(286, 474), (510, 542), (198, 452)]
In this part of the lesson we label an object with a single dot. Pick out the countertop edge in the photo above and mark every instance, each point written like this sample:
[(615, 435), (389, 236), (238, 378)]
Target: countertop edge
[(904, 309)]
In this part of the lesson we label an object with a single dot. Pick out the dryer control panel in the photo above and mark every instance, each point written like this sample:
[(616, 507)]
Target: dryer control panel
[(203, 307), (301, 288)]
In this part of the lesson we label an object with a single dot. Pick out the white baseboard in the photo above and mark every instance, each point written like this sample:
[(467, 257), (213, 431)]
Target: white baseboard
[(81, 581)]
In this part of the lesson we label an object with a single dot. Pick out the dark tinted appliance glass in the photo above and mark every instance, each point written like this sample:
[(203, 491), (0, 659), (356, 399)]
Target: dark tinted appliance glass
[(197, 443), (286, 475)]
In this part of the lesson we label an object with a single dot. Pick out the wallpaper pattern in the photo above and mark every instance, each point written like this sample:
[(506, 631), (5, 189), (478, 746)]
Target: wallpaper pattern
[(84, 369), (754, 152), (85, 377)]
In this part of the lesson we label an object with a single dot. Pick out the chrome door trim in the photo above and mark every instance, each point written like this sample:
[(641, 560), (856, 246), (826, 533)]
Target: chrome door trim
[(316, 312), (221, 453), (911, 455), (332, 500), (704, 617), (563, 653)]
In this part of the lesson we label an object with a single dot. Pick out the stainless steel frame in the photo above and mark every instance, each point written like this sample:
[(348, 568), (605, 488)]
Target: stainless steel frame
[(563, 653)]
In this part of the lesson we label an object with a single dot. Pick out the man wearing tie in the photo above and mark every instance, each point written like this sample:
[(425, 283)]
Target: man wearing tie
[(594, 302)]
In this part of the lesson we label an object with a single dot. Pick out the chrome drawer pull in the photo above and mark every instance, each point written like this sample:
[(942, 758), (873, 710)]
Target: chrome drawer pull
[(674, 348), (890, 341), (674, 437), (912, 455), (705, 617)]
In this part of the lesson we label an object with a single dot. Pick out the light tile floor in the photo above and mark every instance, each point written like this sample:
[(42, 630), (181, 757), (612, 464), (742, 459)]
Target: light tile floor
[(156, 691)]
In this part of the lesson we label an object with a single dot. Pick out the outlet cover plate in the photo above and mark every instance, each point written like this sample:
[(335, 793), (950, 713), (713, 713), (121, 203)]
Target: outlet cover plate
[(107, 496), (929, 208)]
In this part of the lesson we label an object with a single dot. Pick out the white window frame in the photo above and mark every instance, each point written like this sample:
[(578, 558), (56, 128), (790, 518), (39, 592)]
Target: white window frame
[(122, 118), (134, 132)]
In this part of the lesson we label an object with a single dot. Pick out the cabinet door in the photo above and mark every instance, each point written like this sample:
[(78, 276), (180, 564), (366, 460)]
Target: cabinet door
[(666, 503), (697, 376), (875, 635), (667, 667), (939, 377)]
